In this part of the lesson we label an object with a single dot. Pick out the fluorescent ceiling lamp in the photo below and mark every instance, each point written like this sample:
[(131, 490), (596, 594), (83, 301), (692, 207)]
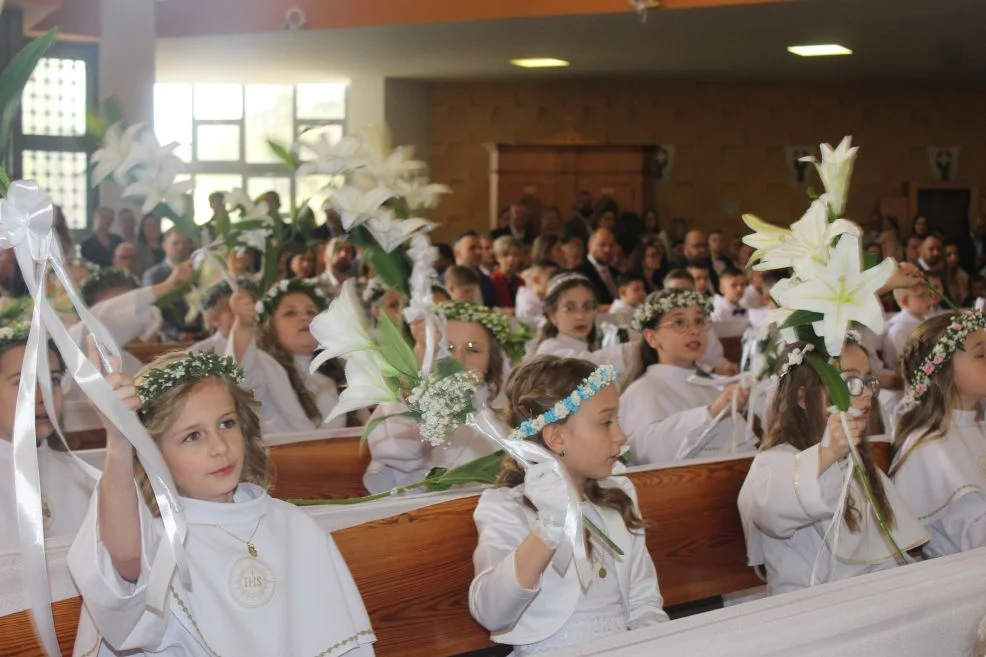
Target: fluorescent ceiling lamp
[(821, 50), (540, 62)]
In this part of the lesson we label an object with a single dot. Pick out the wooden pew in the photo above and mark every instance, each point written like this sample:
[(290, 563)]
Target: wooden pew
[(320, 469), (732, 348), (145, 352)]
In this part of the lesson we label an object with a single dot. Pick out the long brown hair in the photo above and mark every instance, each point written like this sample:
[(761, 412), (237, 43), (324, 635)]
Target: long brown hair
[(267, 340), (802, 424), (558, 286), (933, 415), (158, 416), (533, 388)]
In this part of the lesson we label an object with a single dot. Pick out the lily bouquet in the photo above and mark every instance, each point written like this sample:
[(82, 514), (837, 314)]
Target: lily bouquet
[(832, 287)]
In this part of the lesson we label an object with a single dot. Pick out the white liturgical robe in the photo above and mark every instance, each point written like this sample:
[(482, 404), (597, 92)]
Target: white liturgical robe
[(568, 347)]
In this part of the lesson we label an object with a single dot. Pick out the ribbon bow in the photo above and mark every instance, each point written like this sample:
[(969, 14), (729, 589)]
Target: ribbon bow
[(421, 305), (27, 215)]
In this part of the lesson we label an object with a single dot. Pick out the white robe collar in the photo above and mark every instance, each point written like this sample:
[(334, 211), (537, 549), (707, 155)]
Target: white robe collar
[(662, 371), (249, 503), (569, 342)]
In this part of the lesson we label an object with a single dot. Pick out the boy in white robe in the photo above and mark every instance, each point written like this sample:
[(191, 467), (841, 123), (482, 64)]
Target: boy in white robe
[(915, 302)]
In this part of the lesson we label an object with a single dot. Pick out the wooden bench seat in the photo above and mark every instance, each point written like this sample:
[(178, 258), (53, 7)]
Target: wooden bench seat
[(320, 469), (146, 352)]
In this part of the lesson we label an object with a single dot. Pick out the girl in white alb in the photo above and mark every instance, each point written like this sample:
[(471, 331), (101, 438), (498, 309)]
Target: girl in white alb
[(272, 343), (569, 328), (666, 417), (477, 336), (791, 493), (517, 592), (939, 462), (264, 578)]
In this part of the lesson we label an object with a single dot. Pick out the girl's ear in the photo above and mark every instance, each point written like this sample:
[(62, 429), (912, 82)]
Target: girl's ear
[(650, 337), (554, 437)]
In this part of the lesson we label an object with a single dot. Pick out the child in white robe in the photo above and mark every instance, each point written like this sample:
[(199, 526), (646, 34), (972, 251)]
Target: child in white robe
[(529, 304), (940, 447), (65, 488), (272, 343), (516, 593), (218, 317), (713, 358), (265, 579), (666, 417), (915, 302), (569, 328), (791, 493), (399, 455)]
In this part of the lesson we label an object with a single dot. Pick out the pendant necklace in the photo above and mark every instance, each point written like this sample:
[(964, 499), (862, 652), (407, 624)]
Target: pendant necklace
[(249, 542)]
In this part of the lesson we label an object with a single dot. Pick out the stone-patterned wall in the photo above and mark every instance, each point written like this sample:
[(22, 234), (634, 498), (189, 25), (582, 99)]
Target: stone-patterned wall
[(730, 138)]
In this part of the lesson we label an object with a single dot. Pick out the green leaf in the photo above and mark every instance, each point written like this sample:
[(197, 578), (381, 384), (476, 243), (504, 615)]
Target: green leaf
[(837, 389), (387, 268), (395, 348), (447, 366), (12, 81), (601, 535), (288, 159), (483, 470), (870, 260), (802, 317)]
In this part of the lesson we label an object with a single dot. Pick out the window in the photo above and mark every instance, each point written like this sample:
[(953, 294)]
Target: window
[(222, 130), (55, 102)]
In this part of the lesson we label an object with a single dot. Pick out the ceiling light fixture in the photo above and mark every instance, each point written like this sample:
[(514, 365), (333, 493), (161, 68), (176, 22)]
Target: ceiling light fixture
[(820, 50), (540, 62)]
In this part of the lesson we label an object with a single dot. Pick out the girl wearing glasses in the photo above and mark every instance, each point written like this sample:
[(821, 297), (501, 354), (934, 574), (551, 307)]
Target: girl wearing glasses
[(569, 328), (792, 491), (666, 417)]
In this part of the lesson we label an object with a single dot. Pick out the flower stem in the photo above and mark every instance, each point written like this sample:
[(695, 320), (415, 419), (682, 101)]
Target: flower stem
[(366, 498), (865, 482), (948, 302)]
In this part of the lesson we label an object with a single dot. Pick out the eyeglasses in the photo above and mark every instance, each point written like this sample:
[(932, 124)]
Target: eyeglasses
[(571, 308), (857, 385), (469, 347), (683, 324)]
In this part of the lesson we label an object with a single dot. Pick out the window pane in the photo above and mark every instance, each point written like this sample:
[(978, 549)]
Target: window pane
[(260, 185), (218, 101), (217, 143), (309, 134), (269, 115), (63, 175), (322, 101), (54, 100), (206, 184), (173, 117)]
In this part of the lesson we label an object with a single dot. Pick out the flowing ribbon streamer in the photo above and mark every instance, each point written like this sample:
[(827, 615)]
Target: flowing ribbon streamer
[(25, 226), (745, 380), (527, 453), (421, 305), (198, 255)]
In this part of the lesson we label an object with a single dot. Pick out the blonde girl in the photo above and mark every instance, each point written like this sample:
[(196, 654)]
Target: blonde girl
[(255, 563), (939, 444), (515, 594), (792, 490)]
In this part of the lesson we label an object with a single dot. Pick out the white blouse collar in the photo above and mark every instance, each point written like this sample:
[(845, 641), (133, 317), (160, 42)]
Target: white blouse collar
[(249, 503), (303, 363), (662, 371), (572, 343), (964, 418)]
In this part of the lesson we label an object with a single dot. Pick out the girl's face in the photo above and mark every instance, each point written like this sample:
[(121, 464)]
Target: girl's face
[(652, 257), (392, 304), (11, 363), (469, 343), (970, 370), (291, 321), (592, 437), (951, 256), (679, 337), (856, 364), (576, 313), (204, 446)]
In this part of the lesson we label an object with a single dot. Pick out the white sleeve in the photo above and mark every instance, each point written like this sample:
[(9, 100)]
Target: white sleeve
[(786, 492), (396, 442), (964, 521), (253, 371), (130, 315), (117, 607), (672, 438), (496, 599), (645, 604)]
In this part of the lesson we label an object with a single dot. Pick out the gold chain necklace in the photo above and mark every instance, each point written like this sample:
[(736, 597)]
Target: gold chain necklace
[(249, 542)]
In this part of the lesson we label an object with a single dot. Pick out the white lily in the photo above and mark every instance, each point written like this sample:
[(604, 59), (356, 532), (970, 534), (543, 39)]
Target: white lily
[(419, 194), (148, 155), (333, 159), (842, 291), (835, 170), (117, 146), (256, 239), (805, 243), (391, 233), (158, 186), (237, 199), (356, 207), (341, 329), (259, 211), (778, 316), (396, 166), (365, 386)]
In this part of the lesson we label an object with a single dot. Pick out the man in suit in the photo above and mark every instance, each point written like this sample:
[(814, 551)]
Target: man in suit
[(972, 251), (517, 225), (597, 267), (696, 251), (929, 253), (581, 224), (177, 249), (468, 254)]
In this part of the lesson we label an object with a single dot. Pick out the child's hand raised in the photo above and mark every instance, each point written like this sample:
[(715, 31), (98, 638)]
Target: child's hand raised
[(838, 444), (244, 307), (726, 399), (124, 389)]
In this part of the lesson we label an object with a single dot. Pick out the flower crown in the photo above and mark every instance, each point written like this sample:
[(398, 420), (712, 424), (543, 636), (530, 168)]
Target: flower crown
[(662, 303), (512, 342), (106, 277), (213, 294), (603, 376), (14, 333), (561, 279), (192, 367), (794, 357), (962, 325), (268, 302)]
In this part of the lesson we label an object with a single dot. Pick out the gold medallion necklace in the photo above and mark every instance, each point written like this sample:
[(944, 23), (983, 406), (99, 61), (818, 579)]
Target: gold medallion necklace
[(249, 542)]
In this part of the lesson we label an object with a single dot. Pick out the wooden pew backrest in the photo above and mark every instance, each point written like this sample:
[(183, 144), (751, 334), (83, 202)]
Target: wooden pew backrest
[(329, 469), (145, 352), (732, 348)]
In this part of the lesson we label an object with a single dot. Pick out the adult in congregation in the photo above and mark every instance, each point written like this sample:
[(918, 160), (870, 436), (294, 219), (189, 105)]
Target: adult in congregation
[(177, 249), (468, 254), (580, 225), (972, 247), (149, 251), (517, 225), (598, 266), (696, 251), (929, 253), (98, 248)]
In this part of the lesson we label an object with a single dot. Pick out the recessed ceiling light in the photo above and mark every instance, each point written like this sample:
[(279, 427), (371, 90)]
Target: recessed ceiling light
[(540, 62), (821, 50)]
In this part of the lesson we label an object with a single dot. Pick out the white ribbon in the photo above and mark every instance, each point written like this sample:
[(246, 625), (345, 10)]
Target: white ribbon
[(746, 381), (421, 305), (199, 255), (26, 217), (527, 453)]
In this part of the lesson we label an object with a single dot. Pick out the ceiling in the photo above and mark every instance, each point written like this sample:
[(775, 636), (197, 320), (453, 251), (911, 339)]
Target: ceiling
[(903, 39)]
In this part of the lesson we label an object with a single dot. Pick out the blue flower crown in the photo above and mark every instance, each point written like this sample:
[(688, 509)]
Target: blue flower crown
[(603, 376)]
